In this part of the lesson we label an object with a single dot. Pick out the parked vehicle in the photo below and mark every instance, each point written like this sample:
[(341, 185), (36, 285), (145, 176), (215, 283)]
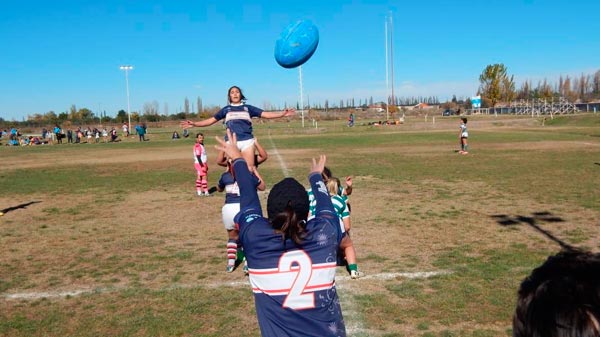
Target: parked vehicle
[(448, 112)]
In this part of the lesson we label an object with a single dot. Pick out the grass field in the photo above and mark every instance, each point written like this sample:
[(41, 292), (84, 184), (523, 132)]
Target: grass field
[(111, 240)]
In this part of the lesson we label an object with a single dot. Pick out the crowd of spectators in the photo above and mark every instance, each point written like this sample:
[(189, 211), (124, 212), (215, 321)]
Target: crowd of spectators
[(58, 135)]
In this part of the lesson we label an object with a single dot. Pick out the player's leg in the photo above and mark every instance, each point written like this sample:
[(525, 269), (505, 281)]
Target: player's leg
[(350, 253), (228, 213), (204, 181), (247, 149), (198, 179), (248, 154)]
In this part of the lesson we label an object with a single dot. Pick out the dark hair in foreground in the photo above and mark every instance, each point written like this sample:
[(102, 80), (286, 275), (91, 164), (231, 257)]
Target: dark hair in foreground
[(287, 207), (561, 298), (464, 119)]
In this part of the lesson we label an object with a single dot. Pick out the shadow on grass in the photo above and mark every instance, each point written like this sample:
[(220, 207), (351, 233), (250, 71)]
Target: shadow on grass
[(9, 209), (533, 221)]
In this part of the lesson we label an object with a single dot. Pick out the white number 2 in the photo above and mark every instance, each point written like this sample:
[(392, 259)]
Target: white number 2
[(299, 261)]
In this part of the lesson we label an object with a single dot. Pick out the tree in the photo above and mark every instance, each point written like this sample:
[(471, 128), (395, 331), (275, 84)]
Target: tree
[(596, 85), (122, 116), (496, 85), (186, 106), (151, 108)]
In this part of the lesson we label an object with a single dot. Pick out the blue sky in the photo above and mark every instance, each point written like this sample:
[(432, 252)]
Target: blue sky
[(58, 53)]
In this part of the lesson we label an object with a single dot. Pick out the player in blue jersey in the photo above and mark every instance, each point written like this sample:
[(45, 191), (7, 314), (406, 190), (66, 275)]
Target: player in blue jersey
[(229, 185), (238, 118), (292, 262)]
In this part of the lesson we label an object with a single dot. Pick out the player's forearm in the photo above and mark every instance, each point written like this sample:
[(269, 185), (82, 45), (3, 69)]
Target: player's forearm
[(248, 195), (274, 114)]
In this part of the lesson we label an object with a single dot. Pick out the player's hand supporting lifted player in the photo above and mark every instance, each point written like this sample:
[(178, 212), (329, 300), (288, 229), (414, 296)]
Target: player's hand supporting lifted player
[(229, 148)]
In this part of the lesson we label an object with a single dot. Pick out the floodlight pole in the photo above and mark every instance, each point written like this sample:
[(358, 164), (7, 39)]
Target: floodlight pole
[(127, 68), (387, 67), (301, 95)]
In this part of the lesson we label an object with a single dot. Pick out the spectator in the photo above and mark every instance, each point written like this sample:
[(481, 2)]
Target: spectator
[(104, 135), (141, 131), (125, 128), (58, 133), (113, 135)]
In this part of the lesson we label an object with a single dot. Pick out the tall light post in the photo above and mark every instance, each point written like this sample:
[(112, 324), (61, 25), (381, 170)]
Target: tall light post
[(127, 68)]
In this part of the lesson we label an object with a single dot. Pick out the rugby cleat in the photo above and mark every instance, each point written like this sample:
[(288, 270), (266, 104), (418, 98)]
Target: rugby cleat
[(354, 274)]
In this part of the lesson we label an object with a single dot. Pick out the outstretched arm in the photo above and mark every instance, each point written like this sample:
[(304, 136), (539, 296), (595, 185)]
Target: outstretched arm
[(278, 114), (205, 122)]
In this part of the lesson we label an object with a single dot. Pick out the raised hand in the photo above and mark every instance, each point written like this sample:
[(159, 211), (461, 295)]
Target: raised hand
[(317, 167), (230, 148)]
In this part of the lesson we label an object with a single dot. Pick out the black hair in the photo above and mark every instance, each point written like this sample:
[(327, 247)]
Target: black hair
[(326, 173), (561, 298), (287, 208), (290, 226), (464, 119)]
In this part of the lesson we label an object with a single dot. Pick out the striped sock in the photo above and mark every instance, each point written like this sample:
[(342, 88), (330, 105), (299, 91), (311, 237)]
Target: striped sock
[(231, 251)]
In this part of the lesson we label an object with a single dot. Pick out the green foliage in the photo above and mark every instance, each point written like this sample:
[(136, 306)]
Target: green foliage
[(496, 85)]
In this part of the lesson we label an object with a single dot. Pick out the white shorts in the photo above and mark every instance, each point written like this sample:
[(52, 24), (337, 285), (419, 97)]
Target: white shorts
[(244, 144), (229, 211)]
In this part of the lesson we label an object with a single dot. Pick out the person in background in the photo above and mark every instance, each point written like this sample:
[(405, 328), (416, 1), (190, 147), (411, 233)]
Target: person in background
[(201, 166), (58, 133), (125, 128), (141, 131), (105, 135), (463, 135)]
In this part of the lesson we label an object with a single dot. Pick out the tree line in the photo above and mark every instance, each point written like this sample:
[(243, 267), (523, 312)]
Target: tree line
[(496, 86)]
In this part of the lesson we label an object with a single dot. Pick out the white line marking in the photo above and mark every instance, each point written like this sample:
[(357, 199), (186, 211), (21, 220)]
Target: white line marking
[(341, 282), (284, 169)]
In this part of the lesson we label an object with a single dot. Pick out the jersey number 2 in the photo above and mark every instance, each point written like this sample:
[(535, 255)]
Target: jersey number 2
[(301, 262)]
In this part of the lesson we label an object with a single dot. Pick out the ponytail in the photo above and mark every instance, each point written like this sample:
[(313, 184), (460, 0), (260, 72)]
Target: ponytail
[(290, 226)]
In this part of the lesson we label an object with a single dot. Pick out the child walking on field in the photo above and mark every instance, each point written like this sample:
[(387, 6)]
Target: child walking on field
[(463, 135), (201, 166)]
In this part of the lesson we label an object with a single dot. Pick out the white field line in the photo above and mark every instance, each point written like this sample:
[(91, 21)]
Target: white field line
[(352, 318), (341, 282), (284, 169)]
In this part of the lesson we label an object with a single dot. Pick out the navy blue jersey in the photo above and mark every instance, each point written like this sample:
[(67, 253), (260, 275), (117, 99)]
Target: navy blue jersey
[(238, 118), (228, 184), (294, 286)]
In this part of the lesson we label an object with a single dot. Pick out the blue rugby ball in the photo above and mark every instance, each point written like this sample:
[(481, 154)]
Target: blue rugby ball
[(296, 44)]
